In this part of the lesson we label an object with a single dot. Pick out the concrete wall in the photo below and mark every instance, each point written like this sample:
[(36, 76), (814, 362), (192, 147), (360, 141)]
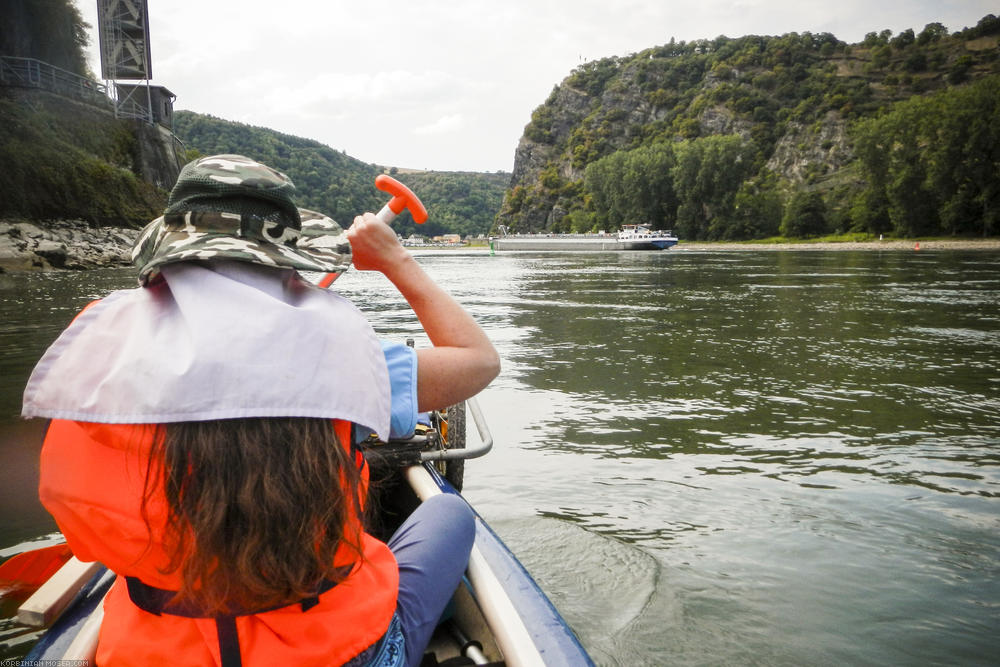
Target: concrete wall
[(161, 154)]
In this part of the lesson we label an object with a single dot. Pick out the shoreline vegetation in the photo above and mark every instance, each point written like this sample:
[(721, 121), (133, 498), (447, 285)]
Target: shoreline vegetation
[(74, 245), (836, 242), (847, 244)]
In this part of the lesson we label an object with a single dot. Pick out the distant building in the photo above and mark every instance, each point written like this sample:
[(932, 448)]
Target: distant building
[(132, 102)]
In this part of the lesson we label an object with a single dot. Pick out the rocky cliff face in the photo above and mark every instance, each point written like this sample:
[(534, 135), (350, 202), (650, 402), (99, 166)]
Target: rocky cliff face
[(791, 100), (807, 150), (580, 127), (160, 155)]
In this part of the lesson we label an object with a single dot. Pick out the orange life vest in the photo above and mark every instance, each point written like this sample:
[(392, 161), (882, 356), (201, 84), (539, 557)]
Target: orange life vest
[(92, 482)]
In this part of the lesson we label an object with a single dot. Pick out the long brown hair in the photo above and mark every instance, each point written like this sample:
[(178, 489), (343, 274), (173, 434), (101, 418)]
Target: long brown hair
[(257, 508)]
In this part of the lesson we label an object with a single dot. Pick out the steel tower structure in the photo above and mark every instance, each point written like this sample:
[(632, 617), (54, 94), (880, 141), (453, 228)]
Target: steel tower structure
[(123, 26)]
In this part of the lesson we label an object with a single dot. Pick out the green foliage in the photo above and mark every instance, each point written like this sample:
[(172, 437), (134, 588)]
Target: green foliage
[(932, 32), (708, 174), (988, 25), (457, 202), (959, 70), (342, 187), (765, 94), (62, 160), (633, 187), (592, 77), (805, 215), (326, 179), (903, 39), (756, 210), (701, 187), (870, 212), (52, 31), (931, 163), (580, 222), (540, 127)]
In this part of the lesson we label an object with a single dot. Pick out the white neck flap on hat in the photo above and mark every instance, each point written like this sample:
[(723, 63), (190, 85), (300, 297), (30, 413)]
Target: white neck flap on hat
[(222, 341)]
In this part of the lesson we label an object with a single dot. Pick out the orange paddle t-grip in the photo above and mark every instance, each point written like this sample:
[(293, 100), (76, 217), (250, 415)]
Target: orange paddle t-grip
[(402, 198)]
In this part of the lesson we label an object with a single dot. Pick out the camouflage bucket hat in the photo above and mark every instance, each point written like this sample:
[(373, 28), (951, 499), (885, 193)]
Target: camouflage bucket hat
[(229, 206)]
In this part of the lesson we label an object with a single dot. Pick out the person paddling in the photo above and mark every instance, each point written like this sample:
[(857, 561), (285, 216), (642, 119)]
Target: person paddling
[(203, 434)]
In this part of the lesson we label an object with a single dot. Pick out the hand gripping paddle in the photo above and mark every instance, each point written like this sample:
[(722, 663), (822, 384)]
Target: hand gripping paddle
[(402, 198)]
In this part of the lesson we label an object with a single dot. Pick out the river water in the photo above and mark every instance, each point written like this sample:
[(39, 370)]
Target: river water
[(705, 458)]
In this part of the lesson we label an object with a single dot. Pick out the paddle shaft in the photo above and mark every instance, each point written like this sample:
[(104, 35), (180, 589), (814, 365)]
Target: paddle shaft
[(402, 199)]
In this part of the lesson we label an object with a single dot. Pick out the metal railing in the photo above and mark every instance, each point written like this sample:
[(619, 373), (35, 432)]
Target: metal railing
[(31, 73), (129, 108)]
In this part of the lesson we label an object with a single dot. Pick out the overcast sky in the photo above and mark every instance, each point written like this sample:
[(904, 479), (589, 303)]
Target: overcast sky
[(448, 84)]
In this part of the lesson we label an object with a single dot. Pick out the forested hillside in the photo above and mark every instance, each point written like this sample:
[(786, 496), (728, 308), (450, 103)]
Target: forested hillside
[(62, 160), (59, 158), (725, 138), (457, 202), (49, 30), (340, 186), (802, 134)]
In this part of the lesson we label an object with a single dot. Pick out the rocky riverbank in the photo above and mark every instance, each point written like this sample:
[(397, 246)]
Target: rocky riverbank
[(64, 244), (73, 244)]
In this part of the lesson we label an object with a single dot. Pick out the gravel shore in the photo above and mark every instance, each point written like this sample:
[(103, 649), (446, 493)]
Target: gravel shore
[(72, 244), (62, 244), (962, 244)]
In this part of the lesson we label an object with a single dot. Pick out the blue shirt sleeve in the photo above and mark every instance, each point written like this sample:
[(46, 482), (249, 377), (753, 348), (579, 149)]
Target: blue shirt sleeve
[(402, 363)]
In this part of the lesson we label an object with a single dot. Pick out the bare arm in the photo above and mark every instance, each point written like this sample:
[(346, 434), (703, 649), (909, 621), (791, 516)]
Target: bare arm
[(463, 360)]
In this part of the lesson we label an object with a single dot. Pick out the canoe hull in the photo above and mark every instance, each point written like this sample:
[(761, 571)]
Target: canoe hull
[(523, 621)]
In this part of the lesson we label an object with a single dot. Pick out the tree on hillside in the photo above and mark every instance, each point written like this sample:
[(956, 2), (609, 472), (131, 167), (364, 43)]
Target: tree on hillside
[(633, 187), (932, 32), (964, 159), (707, 175), (52, 31), (805, 215), (340, 186), (933, 163), (756, 210)]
